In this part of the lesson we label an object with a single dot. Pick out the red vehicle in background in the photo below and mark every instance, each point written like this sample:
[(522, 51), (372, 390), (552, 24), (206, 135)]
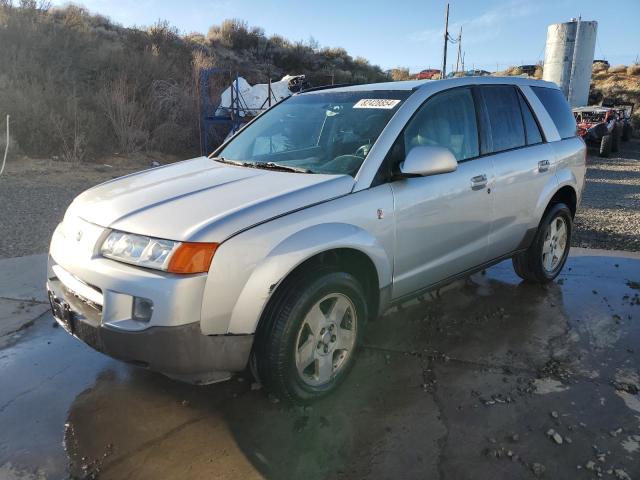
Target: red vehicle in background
[(428, 74), (599, 127)]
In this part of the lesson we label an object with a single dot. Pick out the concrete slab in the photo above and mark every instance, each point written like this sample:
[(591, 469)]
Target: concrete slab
[(23, 278), (16, 315)]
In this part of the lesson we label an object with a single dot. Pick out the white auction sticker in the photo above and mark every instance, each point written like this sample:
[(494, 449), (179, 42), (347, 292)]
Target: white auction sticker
[(385, 103)]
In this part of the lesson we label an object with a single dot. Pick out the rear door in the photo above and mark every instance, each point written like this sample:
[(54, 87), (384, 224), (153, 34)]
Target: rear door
[(523, 165), (442, 221)]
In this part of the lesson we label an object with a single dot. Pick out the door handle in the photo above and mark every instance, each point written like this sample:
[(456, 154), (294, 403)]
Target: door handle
[(478, 182), (543, 165)]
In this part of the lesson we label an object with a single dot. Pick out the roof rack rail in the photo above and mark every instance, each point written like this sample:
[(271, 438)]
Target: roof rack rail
[(327, 87)]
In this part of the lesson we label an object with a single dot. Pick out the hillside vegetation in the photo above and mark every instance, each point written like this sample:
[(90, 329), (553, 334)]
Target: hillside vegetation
[(79, 86), (617, 84)]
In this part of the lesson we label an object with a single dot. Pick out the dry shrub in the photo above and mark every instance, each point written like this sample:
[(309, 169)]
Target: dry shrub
[(509, 71), (73, 142), (598, 67), (633, 69), (134, 88), (618, 69), (398, 74), (127, 113)]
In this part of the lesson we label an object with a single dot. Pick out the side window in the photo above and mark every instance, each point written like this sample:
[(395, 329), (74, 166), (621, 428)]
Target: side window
[(506, 129), (447, 120), (558, 110), (531, 128)]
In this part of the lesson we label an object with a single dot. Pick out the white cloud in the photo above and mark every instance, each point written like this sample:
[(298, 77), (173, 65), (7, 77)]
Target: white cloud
[(486, 26)]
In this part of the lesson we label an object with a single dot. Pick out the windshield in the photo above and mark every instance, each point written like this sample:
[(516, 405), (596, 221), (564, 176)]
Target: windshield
[(327, 132)]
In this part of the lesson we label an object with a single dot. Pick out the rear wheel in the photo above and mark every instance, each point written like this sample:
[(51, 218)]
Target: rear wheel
[(306, 345), (605, 146), (626, 133), (544, 259)]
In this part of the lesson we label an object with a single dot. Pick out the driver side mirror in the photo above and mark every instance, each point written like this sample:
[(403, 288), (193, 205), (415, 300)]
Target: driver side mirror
[(428, 160)]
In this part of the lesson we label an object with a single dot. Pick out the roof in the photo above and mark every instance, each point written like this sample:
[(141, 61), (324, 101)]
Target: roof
[(408, 85)]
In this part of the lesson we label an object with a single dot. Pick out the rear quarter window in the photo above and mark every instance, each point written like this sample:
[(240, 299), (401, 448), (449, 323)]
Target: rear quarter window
[(558, 109)]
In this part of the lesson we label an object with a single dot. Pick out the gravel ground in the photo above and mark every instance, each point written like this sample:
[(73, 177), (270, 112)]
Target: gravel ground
[(35, 193), (609, 215)]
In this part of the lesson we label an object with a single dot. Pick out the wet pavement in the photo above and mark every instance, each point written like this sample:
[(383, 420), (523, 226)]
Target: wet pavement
[(490, 378)]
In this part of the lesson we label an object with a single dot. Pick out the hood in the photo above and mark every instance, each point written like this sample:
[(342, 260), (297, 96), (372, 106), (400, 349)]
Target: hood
[(201, 199)]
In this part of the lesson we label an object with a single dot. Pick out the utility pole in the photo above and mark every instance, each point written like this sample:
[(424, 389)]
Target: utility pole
[(446, 39), (459, 50)]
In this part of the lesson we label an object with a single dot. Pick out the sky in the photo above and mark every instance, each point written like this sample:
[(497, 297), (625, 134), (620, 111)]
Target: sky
[(402, 33)]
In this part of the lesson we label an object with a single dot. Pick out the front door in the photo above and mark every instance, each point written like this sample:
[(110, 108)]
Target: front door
[(442, 221)]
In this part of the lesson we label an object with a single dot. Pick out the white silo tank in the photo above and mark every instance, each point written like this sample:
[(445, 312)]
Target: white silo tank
[(568, 58)]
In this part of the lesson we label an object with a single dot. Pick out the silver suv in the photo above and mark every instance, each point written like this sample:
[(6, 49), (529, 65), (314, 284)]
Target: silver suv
[(321, 213)]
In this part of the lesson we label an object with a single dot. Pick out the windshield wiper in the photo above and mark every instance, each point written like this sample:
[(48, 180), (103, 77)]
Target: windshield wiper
[(268, 165), (278, 166), (232, 162)]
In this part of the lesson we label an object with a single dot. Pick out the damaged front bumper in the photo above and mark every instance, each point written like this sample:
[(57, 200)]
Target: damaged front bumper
[(181, 352)]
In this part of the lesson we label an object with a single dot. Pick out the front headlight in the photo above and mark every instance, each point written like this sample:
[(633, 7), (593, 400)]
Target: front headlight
[(167, 255)]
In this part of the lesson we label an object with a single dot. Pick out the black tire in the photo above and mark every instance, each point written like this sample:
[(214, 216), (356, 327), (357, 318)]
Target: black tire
[(615, 139), (274, 351), (626, 133), (605, 146), (529, 264)]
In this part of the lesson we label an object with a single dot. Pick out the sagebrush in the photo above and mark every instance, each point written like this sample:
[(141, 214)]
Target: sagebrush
[(77, 85)]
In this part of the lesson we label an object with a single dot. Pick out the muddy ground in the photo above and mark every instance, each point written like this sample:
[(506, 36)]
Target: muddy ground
[(493, 378), (35, 193)]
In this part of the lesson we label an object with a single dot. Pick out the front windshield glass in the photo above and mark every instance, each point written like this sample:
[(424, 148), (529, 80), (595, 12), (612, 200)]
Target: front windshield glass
[(323, 132)]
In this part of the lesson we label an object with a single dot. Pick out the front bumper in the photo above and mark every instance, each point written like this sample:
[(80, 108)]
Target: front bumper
[(181, 351)]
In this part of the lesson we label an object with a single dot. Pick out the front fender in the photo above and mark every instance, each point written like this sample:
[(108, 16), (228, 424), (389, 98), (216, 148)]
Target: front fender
[(292, 252), (248, 267)]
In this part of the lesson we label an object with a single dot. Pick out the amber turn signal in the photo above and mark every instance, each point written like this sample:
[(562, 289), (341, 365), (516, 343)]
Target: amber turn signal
[(192, 258)]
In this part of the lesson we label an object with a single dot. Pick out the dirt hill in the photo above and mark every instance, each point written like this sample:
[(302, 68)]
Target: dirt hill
[(79, 86), (620, 84)]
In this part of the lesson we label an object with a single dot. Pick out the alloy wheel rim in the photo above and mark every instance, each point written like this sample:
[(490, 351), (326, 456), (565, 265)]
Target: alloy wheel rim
[(326, 339), (555, 244)]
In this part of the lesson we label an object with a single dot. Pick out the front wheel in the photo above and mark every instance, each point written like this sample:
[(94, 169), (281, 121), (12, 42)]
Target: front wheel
[(544, 259), (307, 341)]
